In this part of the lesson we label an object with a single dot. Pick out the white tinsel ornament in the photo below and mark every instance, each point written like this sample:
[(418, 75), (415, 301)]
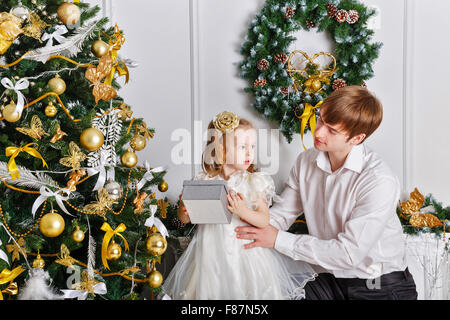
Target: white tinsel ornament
[(37, 287)]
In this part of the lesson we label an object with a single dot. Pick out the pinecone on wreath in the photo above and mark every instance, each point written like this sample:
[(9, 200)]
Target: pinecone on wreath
[(280, 57), (260, 82), (363, 84), (352, 16), (177, 223), (341, 16), (262, 64), (331, 8), (338, 83), (310, 24), (289, 13), (284, 90)]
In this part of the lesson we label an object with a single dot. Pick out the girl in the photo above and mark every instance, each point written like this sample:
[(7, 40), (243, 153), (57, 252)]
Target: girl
[(215, 265)]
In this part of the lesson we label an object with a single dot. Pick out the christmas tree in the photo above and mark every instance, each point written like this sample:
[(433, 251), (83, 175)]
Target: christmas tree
[(79, 218)]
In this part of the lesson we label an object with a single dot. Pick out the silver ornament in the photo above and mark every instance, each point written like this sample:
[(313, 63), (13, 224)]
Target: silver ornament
[(20, 12), (114, 189)]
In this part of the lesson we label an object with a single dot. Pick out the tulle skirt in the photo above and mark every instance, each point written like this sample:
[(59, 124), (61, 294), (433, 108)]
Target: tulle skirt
[(216, 266)]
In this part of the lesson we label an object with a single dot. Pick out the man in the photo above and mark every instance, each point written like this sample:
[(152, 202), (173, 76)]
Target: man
[(349, 197)]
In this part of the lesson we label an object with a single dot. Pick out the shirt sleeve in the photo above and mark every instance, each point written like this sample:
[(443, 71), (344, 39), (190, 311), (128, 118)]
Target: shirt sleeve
[(288, 206), (377, 201)]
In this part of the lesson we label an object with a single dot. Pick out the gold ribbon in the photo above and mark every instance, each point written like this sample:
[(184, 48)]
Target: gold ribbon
[(13, 152), (115, 42), (308, 116), (8, 276), (107, 238)]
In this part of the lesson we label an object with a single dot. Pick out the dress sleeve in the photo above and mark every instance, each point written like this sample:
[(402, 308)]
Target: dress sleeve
[(262, 185)]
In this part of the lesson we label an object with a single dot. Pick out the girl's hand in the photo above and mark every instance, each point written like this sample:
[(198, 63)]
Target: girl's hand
[(182, 213), (236, 204)]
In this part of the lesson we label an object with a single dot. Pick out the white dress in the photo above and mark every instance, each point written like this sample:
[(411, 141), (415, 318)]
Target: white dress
[(215, 265)]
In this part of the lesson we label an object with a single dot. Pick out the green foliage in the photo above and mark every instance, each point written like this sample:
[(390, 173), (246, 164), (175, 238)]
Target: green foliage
[(270, 33)]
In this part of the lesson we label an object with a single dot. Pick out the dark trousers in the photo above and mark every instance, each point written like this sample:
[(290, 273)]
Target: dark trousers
[(398, 285)]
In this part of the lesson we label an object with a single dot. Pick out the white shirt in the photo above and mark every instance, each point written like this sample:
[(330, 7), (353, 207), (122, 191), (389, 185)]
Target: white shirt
[(354, 231)]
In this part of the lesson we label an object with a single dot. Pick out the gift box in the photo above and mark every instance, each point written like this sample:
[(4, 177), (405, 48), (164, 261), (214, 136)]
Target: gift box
[(206, 201)]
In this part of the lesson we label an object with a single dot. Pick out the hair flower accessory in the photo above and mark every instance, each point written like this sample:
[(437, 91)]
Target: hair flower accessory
[(226, 121)]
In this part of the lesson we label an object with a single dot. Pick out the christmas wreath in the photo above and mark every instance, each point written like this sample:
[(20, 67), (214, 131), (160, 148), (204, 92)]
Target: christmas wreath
[(289, 86)]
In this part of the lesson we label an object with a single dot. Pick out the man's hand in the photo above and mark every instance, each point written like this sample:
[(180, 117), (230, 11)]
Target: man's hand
[(262, 237)]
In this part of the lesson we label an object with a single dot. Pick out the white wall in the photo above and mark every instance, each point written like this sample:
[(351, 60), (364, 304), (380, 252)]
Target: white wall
[(187, 51)]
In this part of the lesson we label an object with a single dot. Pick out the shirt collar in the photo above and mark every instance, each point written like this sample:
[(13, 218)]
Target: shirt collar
[(354, 160)]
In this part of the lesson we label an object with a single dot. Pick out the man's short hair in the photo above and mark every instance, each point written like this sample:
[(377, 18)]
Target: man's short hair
[(355, 109)]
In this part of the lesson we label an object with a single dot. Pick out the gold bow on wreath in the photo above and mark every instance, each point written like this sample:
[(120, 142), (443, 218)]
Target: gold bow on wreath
[(13, 152), (107, 238), (308, 116), (411, 208), (8, 276)]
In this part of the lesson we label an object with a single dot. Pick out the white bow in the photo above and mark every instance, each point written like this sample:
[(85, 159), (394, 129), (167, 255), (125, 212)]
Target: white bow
[(22, 84), (99, 288), (57, 35), (3, 255), (148, 174), (45, 193), (103, 174), (154, 221)]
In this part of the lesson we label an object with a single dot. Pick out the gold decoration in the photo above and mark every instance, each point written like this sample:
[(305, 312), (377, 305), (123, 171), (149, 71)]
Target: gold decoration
[(87, 283), (57, 85), (34, 28), (39, 262), (10, 29), (115, 43), (13, 152), (92, 139), (17, 250), (142, 128), (308, 116), (125, 112), (10, 113), (52, 224), (34, 130), (64, 257), (163, 207), (114, 251), (139, 202), (156, 244), (155, 278), (305, 68), (129, 159), (51, 110), (69, 13), (226, 121), (12, 289), (108, 237), (78, 235), (95, 75), (138, 142), (75, 157), (420, 220), (100, 206), (163, 186), (99, 48), (414, 203), (58, 135), (9, 276), (75, 177)]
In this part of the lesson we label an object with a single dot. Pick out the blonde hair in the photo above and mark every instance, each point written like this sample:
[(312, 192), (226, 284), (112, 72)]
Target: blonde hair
[(213, 168)]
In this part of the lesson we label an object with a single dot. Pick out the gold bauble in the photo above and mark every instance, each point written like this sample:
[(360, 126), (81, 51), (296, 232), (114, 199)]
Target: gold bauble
[(129, 159), (69, 13), (156, 244), (92, 139), (138, 142), (51, 225), (114, 251), (39, 262), (163, 186), (155, 278), (99, 48), (78, 235), (10, 114), (51, 110), (57, 85), (316, 85)]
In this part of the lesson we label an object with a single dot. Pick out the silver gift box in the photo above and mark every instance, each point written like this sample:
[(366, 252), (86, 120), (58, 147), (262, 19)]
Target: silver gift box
[(206, 201)]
